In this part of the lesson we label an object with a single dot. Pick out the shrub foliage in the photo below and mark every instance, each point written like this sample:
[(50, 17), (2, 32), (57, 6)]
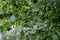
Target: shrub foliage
[(33, 19)]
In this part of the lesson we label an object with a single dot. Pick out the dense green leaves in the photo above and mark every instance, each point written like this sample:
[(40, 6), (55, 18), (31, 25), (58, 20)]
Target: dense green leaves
[(32, 19)]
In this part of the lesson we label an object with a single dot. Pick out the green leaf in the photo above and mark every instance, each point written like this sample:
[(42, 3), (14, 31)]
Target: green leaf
[(41, 24), (1, 24), (58, 33), (19, 28), (37, 37), (55, 37), (12, 18), (30, 37), (22, 15), (1, 10)]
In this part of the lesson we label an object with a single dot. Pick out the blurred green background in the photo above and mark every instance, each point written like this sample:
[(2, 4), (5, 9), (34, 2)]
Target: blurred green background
[(30, 19)]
